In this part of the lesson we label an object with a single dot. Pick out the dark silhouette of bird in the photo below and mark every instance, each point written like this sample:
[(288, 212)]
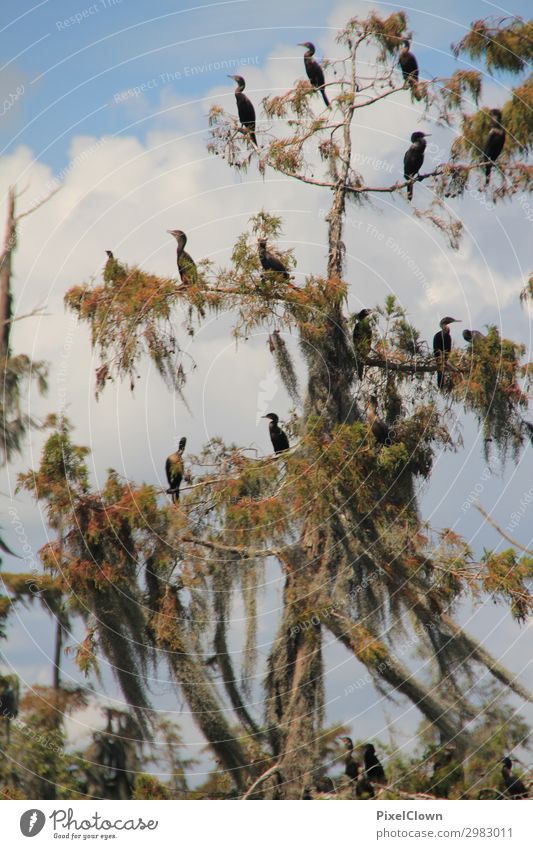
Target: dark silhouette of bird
[(271, 261), (494, 142), (373, 769), (442, 345), (245, 107), (363, 787), (414, 159), (174, 470), (113, 269), (472, 335), (324, 784), (380, 430), (351, 767), (514, 786), (314, 71), (186, 264), (409, 65), (362, 340), (279, 438)]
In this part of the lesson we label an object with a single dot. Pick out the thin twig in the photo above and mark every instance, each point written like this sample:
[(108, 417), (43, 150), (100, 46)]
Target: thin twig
[(260, 780), (502, 532)]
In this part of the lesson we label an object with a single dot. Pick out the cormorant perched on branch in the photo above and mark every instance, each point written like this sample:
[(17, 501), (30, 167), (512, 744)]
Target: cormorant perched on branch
[(494, 142), (514, 786), (472, 335), (271, 261), (363, 786), (186, 264), (362, 339), (409, 65), (112, 268), (279, 438), (414, 159), (442, 345), (314, 71), (245, 107), (380, 430), (174, 470), (373, 769)]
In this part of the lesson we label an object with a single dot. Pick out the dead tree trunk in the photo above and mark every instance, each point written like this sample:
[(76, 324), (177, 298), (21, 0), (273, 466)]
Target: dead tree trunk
[(10, 242)]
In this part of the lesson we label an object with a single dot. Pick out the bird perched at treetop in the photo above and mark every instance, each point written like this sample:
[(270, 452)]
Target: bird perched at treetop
[(270, 261), (245, 108), (314, 71), (279, 438), (494, 142), (414, 159), (442, 345), (362, 339), (373, 769), (472, 335), (174, 470), (363, 787), (515, 786), (113, 270), (409, 66), (186, 264)]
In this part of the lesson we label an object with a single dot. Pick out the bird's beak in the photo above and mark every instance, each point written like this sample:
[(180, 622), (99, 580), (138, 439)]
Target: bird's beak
[(230, 77), (301, 45), (426, 135)]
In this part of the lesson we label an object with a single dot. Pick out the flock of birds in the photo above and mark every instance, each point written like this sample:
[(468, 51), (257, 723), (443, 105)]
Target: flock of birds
[(274, 264), (363, 777), (414, 156)]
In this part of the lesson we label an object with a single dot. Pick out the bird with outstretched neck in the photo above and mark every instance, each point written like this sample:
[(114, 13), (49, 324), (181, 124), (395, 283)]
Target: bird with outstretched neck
[(414, 159), (362, 340), (442, 345), (270, 261), (245, 108), (279, 438), (314, 71), (373, 769), (515, 786), (409, 65), (186, 264), (380, 429), (174, 470), (494, 142)]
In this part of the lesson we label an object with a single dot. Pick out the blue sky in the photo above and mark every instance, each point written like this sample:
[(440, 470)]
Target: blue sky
[(153, 172)]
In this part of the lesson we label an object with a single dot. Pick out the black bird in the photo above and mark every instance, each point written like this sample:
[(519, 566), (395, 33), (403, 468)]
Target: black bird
[(472, 335), (373, 769), (514, 786), (271, 261), (442, 345), (279, 438), (409, 65), (380, 430), (174, 470), (186, 264), (112, 269), (363, 786), (494, 142), (414, 159), (314, 71), (362, 339), (245, 107), (351, 767)]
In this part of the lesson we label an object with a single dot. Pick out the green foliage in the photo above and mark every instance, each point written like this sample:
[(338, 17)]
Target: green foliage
[(16, 373)]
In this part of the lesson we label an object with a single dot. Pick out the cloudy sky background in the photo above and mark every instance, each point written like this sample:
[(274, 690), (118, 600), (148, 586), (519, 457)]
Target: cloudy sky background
[(133, 166)]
